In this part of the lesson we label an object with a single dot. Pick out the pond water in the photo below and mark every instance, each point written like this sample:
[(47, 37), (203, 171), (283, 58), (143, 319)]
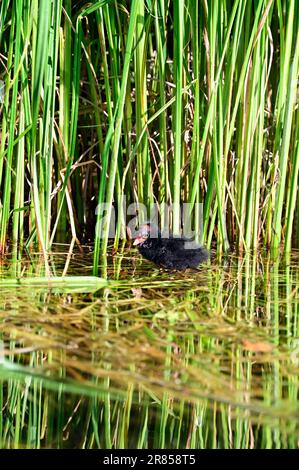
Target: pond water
[(155, 359)]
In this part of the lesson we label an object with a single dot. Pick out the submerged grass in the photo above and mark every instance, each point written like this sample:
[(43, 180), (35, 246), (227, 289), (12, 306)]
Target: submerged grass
[(164, 360)]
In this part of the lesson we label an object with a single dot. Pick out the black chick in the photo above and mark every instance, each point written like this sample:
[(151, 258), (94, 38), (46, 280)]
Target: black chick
[(170, 253)]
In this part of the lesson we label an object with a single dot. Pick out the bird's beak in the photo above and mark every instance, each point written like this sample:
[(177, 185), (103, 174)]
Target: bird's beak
[(138, 240)]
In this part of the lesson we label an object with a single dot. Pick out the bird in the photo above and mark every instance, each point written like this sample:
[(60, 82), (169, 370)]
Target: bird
[(170, 253)]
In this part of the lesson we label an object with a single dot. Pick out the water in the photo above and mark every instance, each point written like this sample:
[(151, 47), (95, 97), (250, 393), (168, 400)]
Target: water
[(204, 359)]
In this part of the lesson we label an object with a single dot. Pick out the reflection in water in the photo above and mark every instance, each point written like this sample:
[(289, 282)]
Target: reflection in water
[(156, 359)]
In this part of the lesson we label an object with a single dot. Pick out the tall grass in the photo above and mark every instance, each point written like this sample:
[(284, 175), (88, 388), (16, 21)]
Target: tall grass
[(157, 101)]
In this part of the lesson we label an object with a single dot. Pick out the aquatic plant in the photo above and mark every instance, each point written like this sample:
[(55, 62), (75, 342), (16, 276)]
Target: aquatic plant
[(155, 101)]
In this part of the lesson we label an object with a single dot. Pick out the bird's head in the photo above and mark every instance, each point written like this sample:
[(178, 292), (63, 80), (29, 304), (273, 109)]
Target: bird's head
[(146, 231)]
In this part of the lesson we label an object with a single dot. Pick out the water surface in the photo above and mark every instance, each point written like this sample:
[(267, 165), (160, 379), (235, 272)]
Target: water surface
[(157, 359)]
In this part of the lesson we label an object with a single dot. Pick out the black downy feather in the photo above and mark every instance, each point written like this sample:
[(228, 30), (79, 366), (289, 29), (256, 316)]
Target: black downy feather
[(172, 252)]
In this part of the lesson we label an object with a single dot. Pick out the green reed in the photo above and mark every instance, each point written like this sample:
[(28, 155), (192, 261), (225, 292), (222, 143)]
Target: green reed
[(85, 118), (206, 361)]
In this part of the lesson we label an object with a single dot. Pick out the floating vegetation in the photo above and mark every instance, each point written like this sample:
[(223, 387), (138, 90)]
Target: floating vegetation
[(165, 360)]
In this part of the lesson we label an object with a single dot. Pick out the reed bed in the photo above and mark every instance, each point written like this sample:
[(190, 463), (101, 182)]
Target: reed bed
[(151, 102), (156, 102)]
